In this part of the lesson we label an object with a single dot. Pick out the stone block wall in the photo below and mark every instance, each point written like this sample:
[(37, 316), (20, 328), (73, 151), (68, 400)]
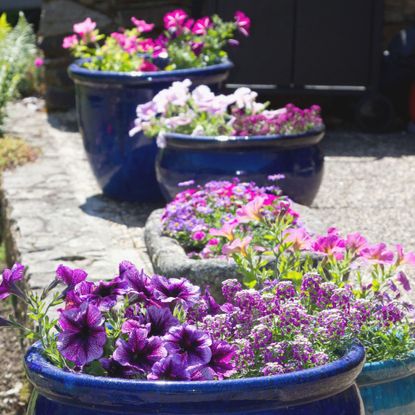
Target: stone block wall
[(57, 19)]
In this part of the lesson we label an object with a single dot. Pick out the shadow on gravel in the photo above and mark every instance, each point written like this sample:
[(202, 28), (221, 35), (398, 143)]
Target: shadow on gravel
[(64, 121), (358, 144), (129, 214)]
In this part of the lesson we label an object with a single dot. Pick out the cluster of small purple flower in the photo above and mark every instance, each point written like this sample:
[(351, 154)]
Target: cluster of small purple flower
[(202, 113), (287, 121), (204, 218)]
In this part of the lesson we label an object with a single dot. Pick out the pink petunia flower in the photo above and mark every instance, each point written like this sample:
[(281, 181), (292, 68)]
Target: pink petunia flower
[(85, 28), (201, 26), (69, 41), (226, 230), (404, 258), (237, 246), (251, 211), (299, 237), (142, 25)]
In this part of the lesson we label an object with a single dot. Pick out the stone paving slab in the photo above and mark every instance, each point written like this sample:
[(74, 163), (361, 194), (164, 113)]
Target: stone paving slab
[(55, 210)]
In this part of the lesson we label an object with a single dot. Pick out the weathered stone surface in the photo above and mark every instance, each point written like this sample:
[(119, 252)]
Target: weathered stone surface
[(59, 16), (170, 259), (53, 211)]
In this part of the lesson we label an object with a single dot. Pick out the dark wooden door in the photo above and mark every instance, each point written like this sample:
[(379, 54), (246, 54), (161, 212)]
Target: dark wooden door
[(333, 42), (265, 57)]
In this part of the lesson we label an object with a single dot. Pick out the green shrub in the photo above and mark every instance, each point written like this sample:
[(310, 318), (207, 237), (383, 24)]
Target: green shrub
[(15, 152), (17, 54)]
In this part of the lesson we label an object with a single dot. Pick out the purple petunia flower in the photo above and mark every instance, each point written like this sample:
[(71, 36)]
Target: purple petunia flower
[(139, 284), (221, 365), (69, 276), (156, 320), (160, 320), (139, 353), (190, 343), (104, 295), (114, 369), (82, 337), (175, 290), (9, 279), (169, 368)]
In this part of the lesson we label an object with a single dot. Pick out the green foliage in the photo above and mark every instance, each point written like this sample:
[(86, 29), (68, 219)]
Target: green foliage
[(15, 152), (17, 54)]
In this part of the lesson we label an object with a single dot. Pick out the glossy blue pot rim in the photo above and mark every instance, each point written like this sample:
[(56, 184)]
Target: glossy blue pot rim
[(308, 138), (341, 374), (78, 73), (387, 371)]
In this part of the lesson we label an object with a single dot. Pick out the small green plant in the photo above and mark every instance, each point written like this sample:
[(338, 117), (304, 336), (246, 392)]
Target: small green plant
[(17, 54), (15, 152)]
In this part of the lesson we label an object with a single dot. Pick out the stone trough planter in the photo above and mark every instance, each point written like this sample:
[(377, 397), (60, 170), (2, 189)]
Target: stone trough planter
[(170, 259)]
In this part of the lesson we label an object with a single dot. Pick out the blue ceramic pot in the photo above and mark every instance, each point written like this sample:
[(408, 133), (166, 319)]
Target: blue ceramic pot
[(326, 390), (106, 107), (254, 158), (388, 388)]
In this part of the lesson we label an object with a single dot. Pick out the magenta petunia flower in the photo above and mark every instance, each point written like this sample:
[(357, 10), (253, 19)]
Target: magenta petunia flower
[(201, 26), (140, 352), (39, 62), (175, 290), (355, 242), (378, 253), (148, 66), (9, 279), (169, 368), (142, 25), (404, 257), (191, 344), (69, 276), (331, 244), (175, 19), (243, 22), (82, 337)]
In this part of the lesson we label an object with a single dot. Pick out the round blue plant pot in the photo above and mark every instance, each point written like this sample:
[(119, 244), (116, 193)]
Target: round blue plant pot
[(254, 158), (326, 390), (388, 388), (106, 108)]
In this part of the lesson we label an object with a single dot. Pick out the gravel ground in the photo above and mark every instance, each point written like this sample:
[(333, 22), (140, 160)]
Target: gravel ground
[(12, 379), (369, 186)]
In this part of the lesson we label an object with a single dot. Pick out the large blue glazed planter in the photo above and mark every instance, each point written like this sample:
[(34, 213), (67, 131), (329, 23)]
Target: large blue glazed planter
[(388, 388), (106, 108), (326, 390), (254, 158)]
